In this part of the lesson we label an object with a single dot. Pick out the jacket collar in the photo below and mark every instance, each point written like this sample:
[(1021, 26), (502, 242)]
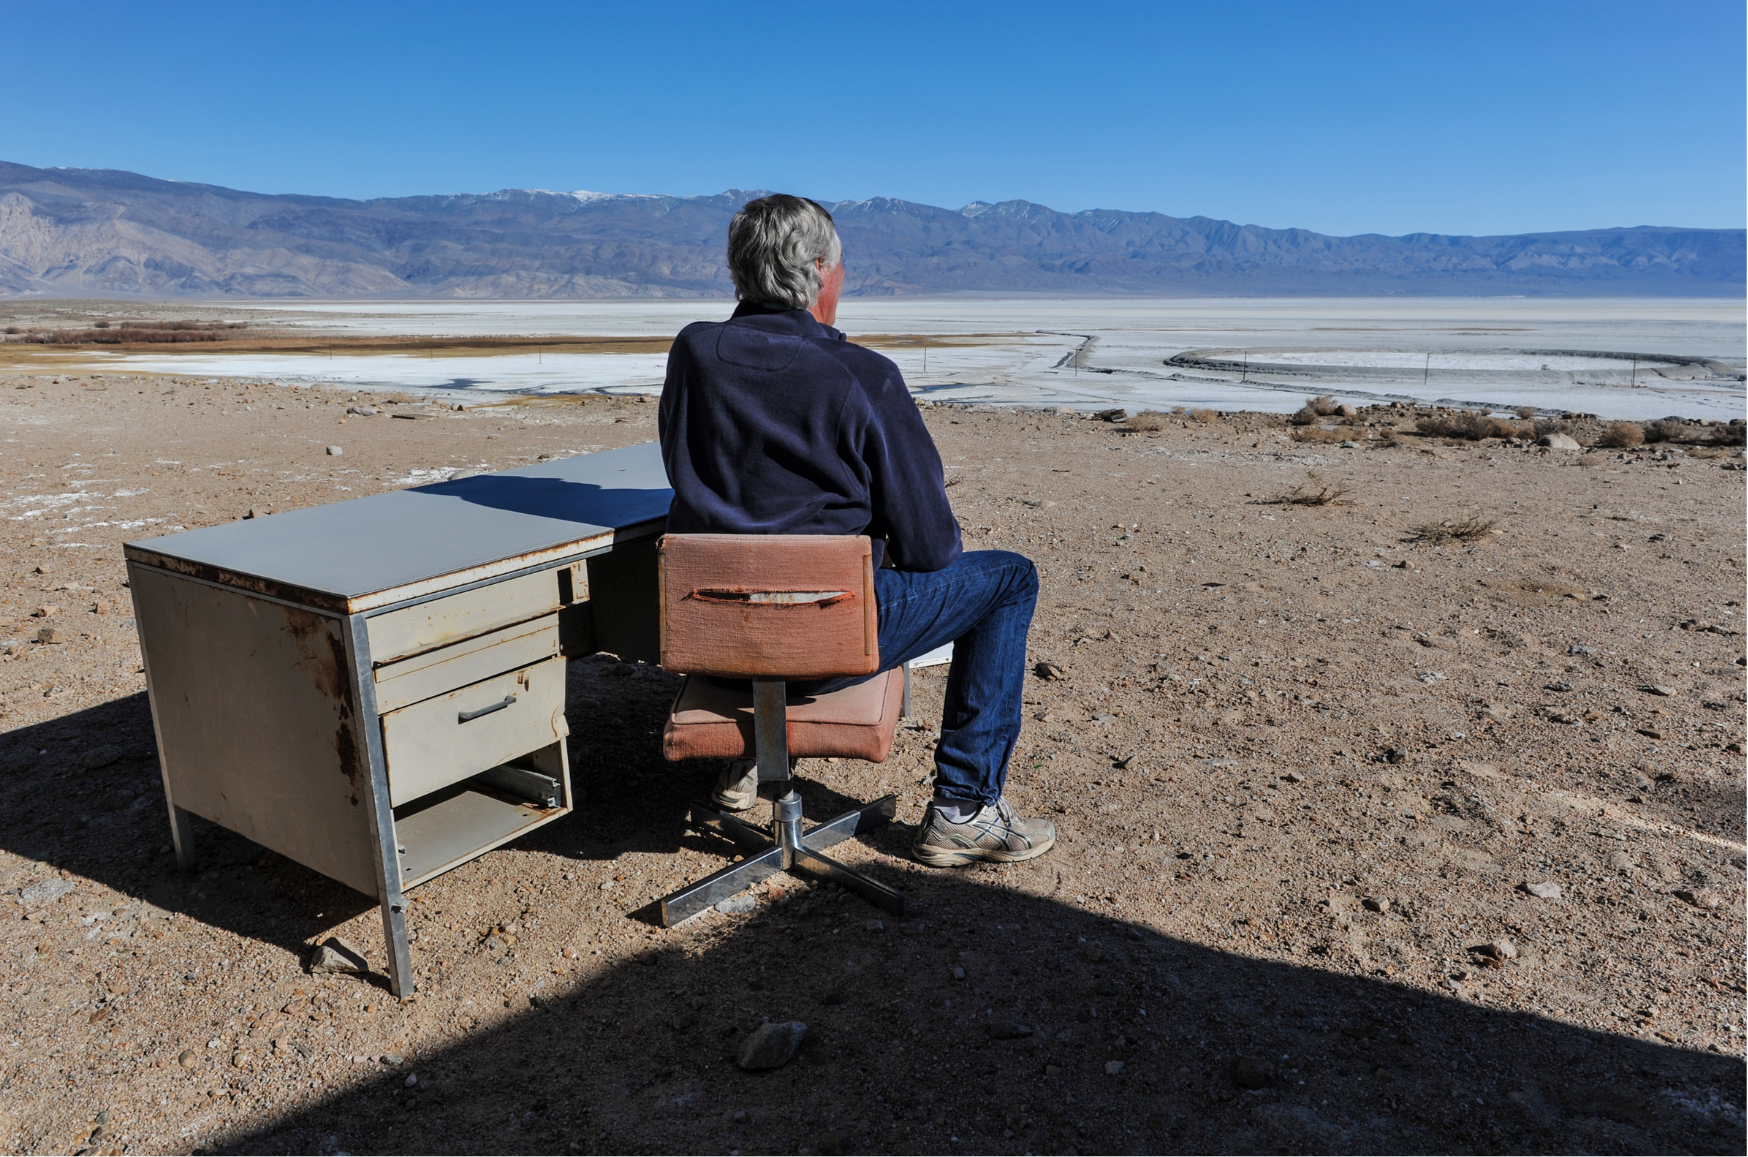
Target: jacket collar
[(781, 319)]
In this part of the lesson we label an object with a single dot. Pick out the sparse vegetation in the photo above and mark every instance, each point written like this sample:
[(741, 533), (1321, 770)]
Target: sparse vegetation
[(1319, 491), (1146, 422), (1205, 417), (1322, 406), (1621, 435), (1472, 427), (131, 333), (1469, 528), (1525, 412)]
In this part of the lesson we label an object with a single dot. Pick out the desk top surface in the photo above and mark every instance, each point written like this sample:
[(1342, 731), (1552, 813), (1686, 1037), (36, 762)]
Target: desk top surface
[(367, 552)]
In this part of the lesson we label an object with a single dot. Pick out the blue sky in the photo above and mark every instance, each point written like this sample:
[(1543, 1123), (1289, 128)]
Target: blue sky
[(1339, 117)]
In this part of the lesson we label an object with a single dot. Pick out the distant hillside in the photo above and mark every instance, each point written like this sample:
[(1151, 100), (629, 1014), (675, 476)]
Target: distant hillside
[(106, 232)]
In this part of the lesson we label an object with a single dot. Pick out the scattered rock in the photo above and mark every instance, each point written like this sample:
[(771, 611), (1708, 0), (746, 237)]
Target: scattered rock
[(1699, 899), (1580, 649), (334, 955), (258, 512), (1049, 672), (1497, 950), (46, 611), (335, 451), (188, 1058), (1559, 442), (1112, 415), (1251, 1073), (1293, 777), (771, 1045), (1112, 1068), (392, 1059), (1093, 952), (411, 1081), (1544, 890), (45, 891), (1649, 732), (1375, 904), (738, 904), (363, 411), (51, 635), (1104, 718), (1621, 862), (1396, 755), (1561, 686), (1008, 1030), (101, 756), (1655, 689)]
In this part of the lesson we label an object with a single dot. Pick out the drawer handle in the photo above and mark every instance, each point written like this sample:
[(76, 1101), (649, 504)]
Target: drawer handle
[(465, 716)]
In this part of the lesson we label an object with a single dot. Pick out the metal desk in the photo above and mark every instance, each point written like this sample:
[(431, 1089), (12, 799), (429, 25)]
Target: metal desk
[(375, 688)]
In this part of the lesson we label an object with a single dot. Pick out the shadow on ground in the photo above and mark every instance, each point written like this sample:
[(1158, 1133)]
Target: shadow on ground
[(1137, 1042)]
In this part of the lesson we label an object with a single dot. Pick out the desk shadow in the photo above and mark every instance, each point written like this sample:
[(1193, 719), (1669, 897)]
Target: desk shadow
[(108, 823), (547, 497), (1000, 1021)]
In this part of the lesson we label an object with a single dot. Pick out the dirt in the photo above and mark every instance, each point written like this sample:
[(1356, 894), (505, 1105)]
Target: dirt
[(1305, 762)]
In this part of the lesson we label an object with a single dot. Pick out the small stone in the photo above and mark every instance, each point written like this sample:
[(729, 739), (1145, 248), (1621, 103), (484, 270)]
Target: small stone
[(257, 512), (1375, 904), (958, 974), (51, 635), (188, 1058), (1053, 1071), (1649, 732), (1621, 862), (1112, 1068), (1049, 672), (1093, 952), (771, 1045), (1580, 649), (1545, 890), (45, 891), (1497, 950), (1561, 686), (1008, 1030), (391, 1059), (1103, 718), (875, 926), (411, 1081), (1655, 689), (240, 1059), (1293, 777), (1396, 755), (336, 956), (736, 905), (45, 612), (98, 757), (1251, 1073), (1112, 415), (335, 451), (1699, 899)]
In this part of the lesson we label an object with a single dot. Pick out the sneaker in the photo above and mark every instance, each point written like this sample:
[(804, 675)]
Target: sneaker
[(737, 788), (994, 833)]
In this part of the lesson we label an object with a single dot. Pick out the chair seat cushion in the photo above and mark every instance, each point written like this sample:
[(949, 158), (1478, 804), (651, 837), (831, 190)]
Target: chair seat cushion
[(708, 720)]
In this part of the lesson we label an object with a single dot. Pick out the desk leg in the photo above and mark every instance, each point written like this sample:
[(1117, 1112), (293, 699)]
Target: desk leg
[(182, 837), (381, 814)]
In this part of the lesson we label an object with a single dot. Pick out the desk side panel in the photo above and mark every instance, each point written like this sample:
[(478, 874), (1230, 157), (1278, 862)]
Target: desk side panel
[(257, 728)]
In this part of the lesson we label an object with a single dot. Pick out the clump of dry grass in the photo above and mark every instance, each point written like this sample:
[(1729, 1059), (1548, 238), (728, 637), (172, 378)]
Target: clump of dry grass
[(1319, 491), (1621, 436), (1322, 406), (1472, 427), (1525, 412), (1465, 530), (1146, 422), (1205, 417), (1318, 434)]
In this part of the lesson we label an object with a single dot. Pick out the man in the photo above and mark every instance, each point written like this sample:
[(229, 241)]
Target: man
[(772, 423)]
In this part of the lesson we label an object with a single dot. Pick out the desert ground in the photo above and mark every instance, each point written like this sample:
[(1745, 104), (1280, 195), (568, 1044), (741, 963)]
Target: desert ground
[(1408, 822)]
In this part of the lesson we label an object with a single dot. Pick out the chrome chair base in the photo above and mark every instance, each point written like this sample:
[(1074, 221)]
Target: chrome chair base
[(782, 848)]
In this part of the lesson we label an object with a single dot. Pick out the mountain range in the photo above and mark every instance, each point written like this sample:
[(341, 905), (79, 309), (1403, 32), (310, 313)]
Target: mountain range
[(104, 232)]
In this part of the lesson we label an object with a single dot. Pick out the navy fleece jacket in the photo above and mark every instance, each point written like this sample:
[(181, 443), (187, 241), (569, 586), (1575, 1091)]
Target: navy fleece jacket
[(772, 423)]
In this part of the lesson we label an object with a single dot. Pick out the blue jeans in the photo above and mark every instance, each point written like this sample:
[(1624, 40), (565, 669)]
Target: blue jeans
[(982, 604)]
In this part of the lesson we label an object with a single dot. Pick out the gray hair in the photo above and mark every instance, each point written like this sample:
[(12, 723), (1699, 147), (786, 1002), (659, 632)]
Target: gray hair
[(772, 246)]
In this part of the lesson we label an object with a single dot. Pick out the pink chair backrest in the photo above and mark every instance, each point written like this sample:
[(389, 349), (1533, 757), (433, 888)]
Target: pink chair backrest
[(768, 606)]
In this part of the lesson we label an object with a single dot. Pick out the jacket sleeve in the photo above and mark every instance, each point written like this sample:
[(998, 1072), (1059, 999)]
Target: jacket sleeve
[(906, 484)]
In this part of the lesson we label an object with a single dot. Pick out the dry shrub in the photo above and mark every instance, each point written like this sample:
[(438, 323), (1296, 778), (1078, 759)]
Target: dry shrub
[(1303, 417), (1319, 491), (1147, 421), (1204, 416), (1525, 412), (1318, 434), (1448, 531), (1474, 427), (1545, 426), (1621, 436), (1670, 429), (1323, 406)]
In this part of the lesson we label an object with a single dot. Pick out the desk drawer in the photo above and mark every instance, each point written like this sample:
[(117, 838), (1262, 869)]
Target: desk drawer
[(440, 740), (464, 663), (412, 630)]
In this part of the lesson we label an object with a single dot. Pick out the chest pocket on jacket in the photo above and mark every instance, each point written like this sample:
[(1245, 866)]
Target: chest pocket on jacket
[(740, 346)]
